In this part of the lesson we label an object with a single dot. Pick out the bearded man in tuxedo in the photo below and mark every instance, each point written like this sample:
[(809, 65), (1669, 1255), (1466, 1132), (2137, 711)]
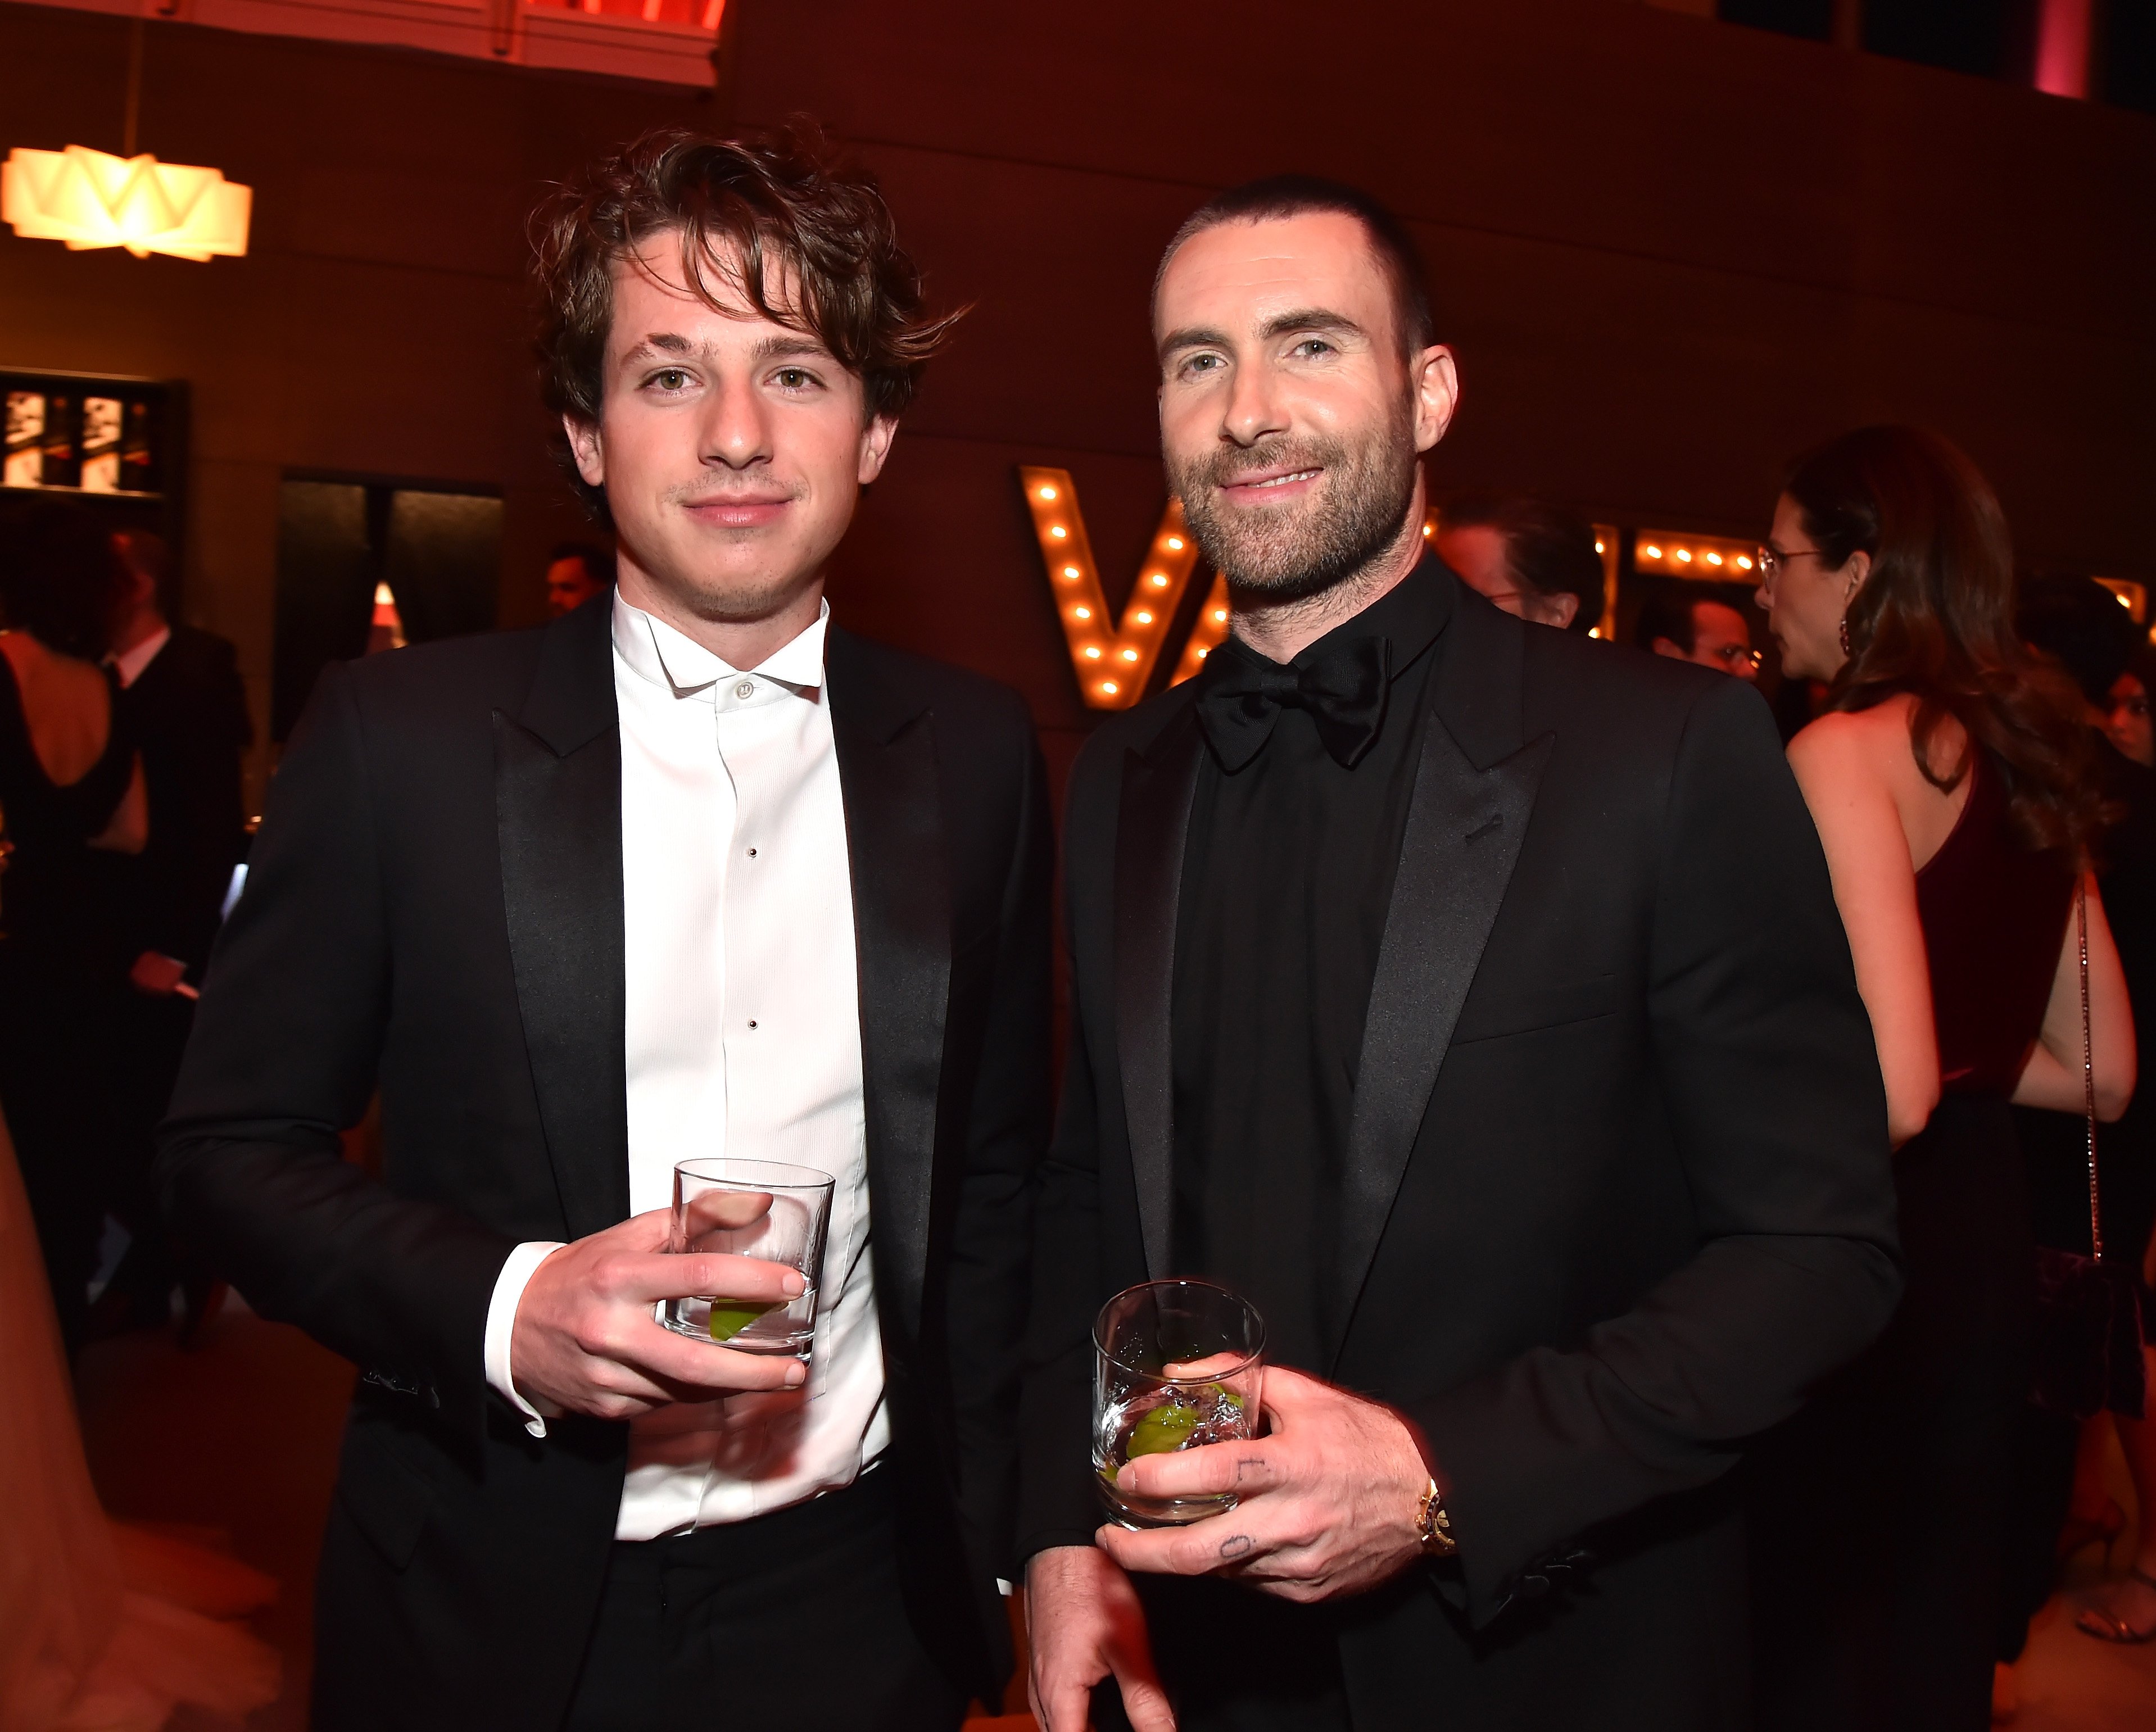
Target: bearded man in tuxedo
[(1471, 998), (690, 871)]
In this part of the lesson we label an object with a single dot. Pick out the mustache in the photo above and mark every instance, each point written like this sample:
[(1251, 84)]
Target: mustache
[(1282, 451), (752, 490)]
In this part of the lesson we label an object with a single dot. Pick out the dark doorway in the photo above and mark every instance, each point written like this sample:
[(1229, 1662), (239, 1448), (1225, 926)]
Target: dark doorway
[(436, 551)]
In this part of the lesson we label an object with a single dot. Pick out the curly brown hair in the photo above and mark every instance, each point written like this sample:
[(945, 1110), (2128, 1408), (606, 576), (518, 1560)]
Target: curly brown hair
[(776, 212), (1935, 619)]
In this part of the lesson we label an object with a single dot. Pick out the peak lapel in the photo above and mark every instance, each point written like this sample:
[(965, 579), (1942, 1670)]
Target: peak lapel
[(1152, 824), (1474, 791), (557, 817), (895, 846)]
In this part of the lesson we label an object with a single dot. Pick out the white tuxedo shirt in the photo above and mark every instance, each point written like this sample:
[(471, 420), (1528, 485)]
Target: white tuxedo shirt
[(743, 1037)]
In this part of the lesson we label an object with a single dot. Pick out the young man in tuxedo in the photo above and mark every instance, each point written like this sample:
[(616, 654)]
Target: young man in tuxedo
[(691, 872), (1471, 997)]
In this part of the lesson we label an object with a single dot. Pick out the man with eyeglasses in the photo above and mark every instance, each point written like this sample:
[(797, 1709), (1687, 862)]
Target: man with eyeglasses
[(1698, 628)]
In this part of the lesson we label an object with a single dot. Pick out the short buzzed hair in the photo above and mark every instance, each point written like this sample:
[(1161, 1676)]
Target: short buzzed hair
[(1281, 195)]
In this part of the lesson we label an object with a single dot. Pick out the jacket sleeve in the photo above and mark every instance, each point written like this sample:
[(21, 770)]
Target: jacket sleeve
[(282, 1058), (1771, 1084), (1007, 1114), (1058, 1502)]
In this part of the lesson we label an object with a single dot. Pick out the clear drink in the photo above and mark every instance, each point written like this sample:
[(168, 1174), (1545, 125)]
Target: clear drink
[(1178, 1364), (1177, 1416), (748, 1325), (763, 1209)]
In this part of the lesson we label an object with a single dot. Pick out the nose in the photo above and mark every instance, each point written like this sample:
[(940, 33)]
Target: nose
[(736, 432), (1254, 408)]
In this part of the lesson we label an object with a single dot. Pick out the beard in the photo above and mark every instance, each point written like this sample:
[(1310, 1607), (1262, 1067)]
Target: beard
[(1291, 554)]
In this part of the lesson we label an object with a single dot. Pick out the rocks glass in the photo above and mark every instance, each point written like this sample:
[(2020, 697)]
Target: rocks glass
[(751, 1208), (1176, 1365)]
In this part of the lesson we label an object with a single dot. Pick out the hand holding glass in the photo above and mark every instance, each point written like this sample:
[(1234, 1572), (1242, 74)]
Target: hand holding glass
[(762, 1209), (1177, 1365)]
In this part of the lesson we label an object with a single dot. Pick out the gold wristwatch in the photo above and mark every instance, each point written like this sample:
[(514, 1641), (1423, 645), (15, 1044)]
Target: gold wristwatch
[(1433, 1526)]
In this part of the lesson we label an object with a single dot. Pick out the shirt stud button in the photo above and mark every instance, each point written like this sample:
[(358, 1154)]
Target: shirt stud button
[(747, 688), (752, 853), (752, 1022)]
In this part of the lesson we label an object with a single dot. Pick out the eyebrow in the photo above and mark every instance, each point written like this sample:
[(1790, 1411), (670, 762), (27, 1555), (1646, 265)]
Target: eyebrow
[(672, 344), (1281, 325)]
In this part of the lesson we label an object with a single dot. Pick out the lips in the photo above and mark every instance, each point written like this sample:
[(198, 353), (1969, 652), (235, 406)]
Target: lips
[(731, 511), (1270, 483)]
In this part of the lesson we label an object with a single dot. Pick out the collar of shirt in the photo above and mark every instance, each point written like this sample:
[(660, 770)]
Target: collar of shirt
[(655, 651), (130, 664), (1413, 614)]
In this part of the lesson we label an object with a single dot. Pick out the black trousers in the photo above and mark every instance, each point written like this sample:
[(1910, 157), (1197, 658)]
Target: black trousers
[(1235, 1660), (1880, 1515), (793, 1619)]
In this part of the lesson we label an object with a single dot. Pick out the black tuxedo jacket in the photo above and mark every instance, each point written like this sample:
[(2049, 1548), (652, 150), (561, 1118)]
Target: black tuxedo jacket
[(434, 904), (1618, 1190), (190, 713)]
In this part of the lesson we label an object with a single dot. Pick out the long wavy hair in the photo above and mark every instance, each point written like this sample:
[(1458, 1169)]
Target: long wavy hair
[(1935, 619)]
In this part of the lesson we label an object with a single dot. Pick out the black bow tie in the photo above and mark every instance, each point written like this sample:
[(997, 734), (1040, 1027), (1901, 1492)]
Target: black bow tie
[(1342, 688)]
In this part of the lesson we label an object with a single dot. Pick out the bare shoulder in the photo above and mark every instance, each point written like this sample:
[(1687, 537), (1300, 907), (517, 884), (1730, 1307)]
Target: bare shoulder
[(1875, 742)]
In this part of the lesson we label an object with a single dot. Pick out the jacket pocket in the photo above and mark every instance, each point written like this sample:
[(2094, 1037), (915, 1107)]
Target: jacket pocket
[(1525, 1009)]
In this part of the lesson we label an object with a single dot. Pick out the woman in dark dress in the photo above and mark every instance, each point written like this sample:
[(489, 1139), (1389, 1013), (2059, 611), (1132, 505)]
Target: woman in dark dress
[(71, 803), (1951, 782)]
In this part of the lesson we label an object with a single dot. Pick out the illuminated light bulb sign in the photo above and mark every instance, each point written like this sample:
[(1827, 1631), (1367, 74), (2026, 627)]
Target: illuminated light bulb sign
[(1713, 559), (1115, 659), (87, 199)]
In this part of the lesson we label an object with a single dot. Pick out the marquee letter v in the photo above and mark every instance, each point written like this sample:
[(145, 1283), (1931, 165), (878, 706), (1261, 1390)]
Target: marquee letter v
[(1114, 659)]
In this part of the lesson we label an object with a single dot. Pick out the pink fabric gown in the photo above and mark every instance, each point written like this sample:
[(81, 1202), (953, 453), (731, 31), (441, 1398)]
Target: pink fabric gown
[(104, 1626)]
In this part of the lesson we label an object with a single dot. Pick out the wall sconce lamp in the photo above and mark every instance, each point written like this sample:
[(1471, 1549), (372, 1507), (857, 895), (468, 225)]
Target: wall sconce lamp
[(85, 199)]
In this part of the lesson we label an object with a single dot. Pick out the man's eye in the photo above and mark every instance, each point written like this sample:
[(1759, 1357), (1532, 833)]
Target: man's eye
[(1310, 346), (794, 379), (670, 378), (1202, 364)]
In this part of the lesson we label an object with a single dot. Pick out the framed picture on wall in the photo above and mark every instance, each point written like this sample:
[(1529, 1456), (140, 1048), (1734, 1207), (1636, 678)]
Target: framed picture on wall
[(116, 445)]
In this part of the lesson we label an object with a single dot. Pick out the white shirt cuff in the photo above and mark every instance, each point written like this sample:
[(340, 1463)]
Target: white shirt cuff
[(501, 1325)]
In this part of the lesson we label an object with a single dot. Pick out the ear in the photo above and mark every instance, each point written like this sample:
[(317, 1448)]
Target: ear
[(1561, 609), (1670, 647), (1433, 377), (1859, 568), (875, 447), (586, 447)]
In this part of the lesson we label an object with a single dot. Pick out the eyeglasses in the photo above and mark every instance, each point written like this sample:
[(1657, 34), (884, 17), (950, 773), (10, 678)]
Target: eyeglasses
[(1772, 560), (1735, 655)]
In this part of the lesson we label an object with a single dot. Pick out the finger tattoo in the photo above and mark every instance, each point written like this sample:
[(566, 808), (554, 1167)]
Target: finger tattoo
[(1235, 1546)]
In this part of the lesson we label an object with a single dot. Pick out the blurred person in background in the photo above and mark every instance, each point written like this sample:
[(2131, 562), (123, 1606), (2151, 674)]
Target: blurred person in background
[(73, 799), (2126, 709), (1698, 628), (1953, 785), (1536, 561), (2065, 1506), (576, 572), (189, 713)]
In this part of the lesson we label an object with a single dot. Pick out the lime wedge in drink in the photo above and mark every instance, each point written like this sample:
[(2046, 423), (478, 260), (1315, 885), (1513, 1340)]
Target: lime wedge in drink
[(1166, 1428), (730, 1317)]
